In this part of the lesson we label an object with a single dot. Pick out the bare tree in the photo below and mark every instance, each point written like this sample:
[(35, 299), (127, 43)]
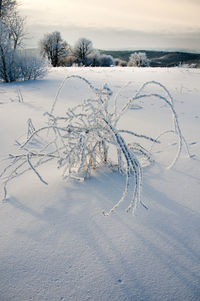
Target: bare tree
[(82, 49), (13, 21), (54, 48), (0, 8), (15, 24), (7, 55)]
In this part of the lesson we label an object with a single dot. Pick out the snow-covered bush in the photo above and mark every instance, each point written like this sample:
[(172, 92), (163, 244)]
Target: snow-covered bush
[(85, 138), (120, 63), (31, 67), (93, 59), (106, 60), (99, 60), (138, 59), (18, 67), (84, 54)]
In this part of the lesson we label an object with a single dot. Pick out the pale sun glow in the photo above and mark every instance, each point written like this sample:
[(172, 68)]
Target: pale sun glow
[(155, 16)]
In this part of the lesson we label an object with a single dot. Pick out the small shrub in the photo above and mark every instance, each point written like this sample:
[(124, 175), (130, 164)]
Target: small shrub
[(80, 142), (106, 60), (31, 67), (120, 63)]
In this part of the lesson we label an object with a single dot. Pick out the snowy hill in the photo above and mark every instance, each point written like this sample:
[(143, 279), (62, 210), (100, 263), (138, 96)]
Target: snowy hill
[(56, 245), (159, 58)]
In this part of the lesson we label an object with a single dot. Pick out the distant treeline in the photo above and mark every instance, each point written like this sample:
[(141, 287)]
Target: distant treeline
[(82, 53), (159, 58)]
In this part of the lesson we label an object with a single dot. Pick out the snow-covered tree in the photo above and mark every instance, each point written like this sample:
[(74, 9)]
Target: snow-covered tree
[(12, 61), (15, 65), (138, 59), (81, 50), (6, 7), (12, 20), (15, 24), (7, 55), (54, 48)]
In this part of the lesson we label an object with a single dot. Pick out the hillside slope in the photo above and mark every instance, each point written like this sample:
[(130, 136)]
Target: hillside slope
[(159, 58)]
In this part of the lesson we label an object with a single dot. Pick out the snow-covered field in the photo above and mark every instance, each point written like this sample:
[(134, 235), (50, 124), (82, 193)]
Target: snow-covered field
[(55, 243)]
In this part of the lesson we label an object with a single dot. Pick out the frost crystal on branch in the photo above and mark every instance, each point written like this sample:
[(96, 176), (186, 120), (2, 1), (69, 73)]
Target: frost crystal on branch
[(80, 141)]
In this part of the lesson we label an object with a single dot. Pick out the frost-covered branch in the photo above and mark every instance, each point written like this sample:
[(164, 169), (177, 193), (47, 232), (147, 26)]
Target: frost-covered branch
[(86, 138)]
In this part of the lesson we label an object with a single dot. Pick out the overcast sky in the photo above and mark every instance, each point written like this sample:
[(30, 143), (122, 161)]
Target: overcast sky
[(110, 24)]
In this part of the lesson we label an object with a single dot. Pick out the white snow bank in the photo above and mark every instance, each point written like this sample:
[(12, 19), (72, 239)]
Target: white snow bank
[(56, 245)]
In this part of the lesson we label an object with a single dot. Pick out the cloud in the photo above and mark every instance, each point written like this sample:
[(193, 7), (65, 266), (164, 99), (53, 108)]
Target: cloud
[(178, 15), (117, 24), (109, 38)]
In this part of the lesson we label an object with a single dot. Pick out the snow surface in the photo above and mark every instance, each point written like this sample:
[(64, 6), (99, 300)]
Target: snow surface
[(55, 243)]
